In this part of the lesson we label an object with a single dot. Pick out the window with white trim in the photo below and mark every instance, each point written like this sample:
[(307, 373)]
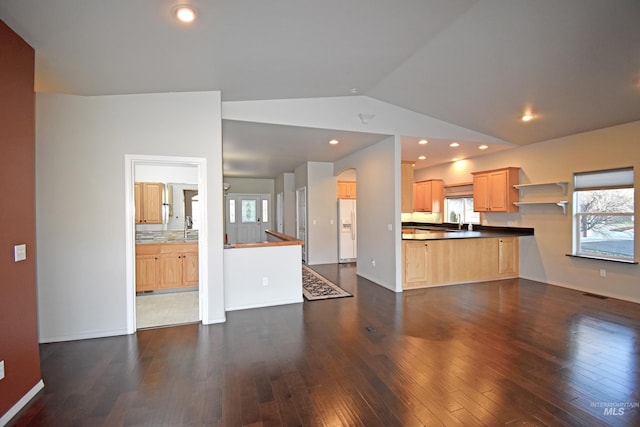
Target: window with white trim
[(458, 203), (604, 222)]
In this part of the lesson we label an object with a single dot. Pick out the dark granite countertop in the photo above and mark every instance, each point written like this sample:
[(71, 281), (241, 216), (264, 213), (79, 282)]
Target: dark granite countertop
[(422, 231)]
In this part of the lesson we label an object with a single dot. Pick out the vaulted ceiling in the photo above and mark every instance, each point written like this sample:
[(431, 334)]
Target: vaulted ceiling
[(478, 64)]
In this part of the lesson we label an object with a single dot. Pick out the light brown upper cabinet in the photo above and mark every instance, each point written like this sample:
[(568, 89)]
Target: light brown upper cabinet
[(148, 198), (407, 186), (494, 191), (346, 189), (428, 196)]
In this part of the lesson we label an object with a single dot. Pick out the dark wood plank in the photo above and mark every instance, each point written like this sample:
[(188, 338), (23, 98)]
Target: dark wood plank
[(510, 352)]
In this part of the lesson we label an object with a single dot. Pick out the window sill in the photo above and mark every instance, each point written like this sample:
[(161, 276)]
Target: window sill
[(623, 261)]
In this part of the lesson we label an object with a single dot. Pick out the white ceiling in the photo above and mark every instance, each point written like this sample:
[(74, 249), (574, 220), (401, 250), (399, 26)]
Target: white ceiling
[(474, 63), (283, 148)]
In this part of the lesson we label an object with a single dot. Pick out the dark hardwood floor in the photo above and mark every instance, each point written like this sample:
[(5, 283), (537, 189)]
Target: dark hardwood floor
[(512, 352)]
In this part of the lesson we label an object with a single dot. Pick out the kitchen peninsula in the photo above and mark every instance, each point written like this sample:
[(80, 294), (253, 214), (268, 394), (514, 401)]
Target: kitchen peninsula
[(443, 254), (263, 274)]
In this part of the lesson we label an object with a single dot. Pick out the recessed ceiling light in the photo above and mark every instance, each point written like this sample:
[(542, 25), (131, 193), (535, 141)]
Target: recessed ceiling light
[(527, 117), (454, 144), (423, 141), (422, 157), (483, 147), (333, 142), (184, 13)]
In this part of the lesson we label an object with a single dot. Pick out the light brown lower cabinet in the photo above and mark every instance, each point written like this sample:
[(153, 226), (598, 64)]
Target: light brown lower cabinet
[(444, 262), (166, 266), (509, 257)]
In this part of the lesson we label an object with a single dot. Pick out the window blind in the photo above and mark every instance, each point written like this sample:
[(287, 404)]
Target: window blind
[(458, 190), (602, 180)]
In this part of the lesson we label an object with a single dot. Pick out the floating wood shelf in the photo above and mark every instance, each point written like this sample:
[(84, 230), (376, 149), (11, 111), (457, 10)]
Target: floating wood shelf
[(562, 184), (562, 203)]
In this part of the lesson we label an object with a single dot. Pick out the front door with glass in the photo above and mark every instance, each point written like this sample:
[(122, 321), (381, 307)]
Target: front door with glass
[(248, 216)]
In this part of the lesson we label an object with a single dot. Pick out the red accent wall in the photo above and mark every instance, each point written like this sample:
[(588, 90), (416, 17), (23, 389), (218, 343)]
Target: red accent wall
[(18, 307)]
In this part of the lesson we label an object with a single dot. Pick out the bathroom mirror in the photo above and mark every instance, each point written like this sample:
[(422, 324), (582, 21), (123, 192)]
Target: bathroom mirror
[(178, 214)]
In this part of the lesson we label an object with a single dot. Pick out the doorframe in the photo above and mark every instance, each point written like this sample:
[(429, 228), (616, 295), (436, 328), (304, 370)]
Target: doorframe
[(280, 212), (131, 160), (301, 193)]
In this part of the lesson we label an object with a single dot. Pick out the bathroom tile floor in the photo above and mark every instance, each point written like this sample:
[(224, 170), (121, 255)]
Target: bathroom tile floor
[(166, 309)]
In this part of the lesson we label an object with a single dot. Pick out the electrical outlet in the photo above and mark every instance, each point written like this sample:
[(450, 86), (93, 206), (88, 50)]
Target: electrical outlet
[(19, 252), (1, 369), (603, 272), (373, 262), (265, 281)]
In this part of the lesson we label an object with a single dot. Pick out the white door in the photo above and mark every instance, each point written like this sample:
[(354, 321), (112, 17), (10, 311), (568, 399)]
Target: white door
[(301, 219), (248, 217)]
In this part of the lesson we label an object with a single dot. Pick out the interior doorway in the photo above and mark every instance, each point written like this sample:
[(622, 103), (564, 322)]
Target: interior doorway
[(190, 290), (347, 217)]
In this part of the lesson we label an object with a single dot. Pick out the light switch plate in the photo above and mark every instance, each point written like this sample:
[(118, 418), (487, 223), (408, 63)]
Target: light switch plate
[(20, 252), (1, 369)]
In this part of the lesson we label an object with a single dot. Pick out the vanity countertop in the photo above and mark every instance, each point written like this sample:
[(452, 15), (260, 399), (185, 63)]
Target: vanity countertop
[(164, 241)]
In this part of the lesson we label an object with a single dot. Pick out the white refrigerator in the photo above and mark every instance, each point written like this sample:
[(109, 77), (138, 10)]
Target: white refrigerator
[(347, 231)]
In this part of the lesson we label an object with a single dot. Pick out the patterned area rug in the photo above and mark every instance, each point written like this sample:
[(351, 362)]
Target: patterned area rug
[(315, 287)]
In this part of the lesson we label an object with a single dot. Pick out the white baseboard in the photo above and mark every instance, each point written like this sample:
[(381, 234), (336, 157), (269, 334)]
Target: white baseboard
[(378, 282), (267, 304), (585, 289), (21, 403), (85, 336), (222, 319)]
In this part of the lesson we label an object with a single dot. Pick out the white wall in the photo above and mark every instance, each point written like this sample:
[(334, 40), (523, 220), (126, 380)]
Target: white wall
[(279, 265), (251, 186), (183, 174), (341, 113), (347, 175), (81, 144), (301, 176), (285, 183), (378, 206), (542, 257), (322, 213)]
